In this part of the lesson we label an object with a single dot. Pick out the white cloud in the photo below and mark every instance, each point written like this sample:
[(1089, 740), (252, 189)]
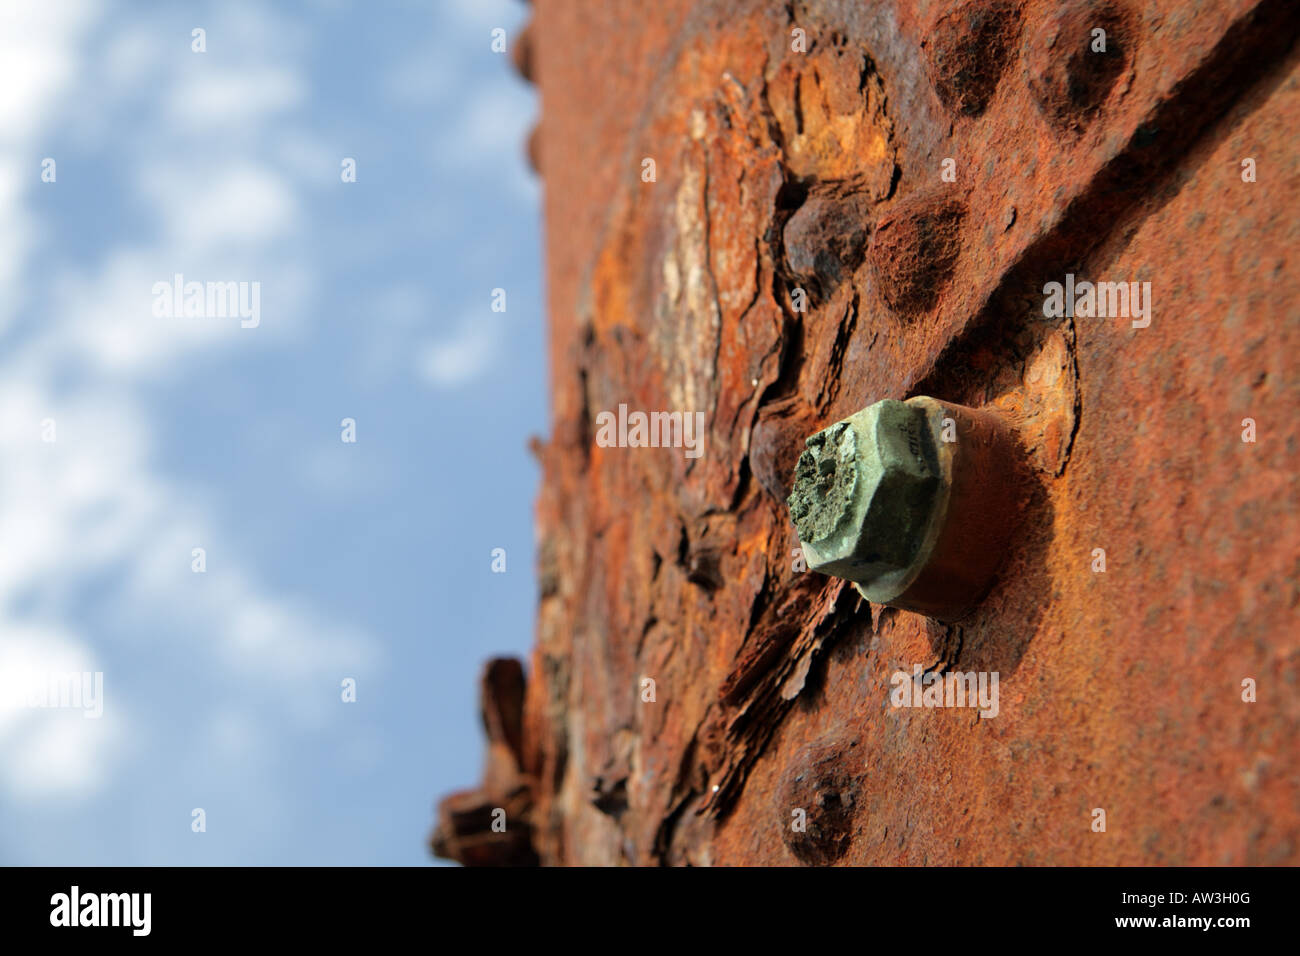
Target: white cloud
[(107, 317), (214, 98), (201, 207), (59, 751), (16, 237), (463, 358), (67, 505), (490, 139), (62, 755), (94, 504), (37, 63), (37, 60)]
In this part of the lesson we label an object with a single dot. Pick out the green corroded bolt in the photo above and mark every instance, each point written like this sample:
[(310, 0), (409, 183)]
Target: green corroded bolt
[(914, 502), (864, 493)]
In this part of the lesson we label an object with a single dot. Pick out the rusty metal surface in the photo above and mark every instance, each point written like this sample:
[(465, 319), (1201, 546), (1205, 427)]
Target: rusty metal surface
[(778, 170)]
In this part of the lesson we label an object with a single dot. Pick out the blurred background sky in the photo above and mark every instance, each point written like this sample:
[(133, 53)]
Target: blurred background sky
[(325, 560)]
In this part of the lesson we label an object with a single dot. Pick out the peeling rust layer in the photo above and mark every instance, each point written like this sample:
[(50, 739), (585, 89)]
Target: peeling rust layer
[(818, 174)]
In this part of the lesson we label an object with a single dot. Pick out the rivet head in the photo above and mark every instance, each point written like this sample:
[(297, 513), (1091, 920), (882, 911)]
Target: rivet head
[(522, 52), (818, 801), (914, 250), (826, 239), (968, 50), (1075, 59)]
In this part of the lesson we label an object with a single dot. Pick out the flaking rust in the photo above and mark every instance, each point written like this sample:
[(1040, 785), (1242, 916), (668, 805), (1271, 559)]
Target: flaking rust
[(1134, 580)]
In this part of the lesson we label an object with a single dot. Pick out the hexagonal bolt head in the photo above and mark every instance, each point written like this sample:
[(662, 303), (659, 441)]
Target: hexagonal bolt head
[(865, 491), (914, 502)]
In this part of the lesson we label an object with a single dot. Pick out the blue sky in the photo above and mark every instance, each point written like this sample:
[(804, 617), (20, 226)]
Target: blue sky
[(324, 559)]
